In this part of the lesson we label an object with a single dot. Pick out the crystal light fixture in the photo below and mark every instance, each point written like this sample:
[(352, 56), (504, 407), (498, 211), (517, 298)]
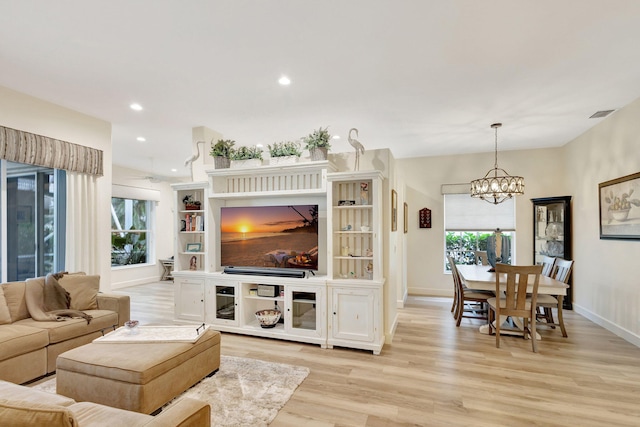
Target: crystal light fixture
[(497, 185)]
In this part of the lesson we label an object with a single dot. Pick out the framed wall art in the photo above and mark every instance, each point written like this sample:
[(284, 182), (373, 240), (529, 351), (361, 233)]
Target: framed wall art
[(194, 247), (394, 210), (424, 218), (619, 201), (406, 217)]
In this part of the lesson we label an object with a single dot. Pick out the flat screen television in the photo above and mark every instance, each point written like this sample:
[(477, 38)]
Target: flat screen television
[(269, 236)]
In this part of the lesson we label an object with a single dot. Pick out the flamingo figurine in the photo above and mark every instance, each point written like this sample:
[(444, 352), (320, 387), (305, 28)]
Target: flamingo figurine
[(358, 146)]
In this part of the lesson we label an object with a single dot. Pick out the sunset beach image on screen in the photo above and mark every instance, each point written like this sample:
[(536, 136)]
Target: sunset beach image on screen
[(269, 236)]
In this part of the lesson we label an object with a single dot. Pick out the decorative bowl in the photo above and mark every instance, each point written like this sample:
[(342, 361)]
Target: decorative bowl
[(619, 215), (268, 318), (131, 326)]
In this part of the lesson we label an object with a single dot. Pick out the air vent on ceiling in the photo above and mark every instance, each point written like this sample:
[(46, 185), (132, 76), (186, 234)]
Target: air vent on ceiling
[(601, 114)]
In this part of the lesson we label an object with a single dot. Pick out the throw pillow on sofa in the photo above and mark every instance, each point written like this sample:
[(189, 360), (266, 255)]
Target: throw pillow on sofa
[(83, 290), (5, 314)]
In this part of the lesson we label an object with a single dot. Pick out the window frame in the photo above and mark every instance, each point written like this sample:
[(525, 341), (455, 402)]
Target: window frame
[(149, 232)]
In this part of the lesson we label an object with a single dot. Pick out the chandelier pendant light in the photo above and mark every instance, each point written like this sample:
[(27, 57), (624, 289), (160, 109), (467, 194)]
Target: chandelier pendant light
[(497, 185)]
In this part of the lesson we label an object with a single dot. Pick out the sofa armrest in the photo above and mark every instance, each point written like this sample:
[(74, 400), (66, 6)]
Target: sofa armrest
[(185, 412), (118, 303)]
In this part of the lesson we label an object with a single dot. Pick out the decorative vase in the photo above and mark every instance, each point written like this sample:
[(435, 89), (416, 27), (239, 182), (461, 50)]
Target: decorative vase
[(283, 160), (220, 162), (318, 153), (249, 163)]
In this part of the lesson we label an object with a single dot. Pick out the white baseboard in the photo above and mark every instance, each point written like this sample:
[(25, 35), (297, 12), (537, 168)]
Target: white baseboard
[(608, 325), (426, 292), (136, 282), (392, 331), (402, 301)]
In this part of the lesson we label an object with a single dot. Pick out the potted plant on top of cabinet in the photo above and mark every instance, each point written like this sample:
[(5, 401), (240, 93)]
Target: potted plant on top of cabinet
[(221, 153), (283, 153), (246, 157), (317, 142)]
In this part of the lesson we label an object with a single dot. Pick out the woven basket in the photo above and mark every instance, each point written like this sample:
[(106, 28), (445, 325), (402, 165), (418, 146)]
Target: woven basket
[(221, 162), (318, 153)]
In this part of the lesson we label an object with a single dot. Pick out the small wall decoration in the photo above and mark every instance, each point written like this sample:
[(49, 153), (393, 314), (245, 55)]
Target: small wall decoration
[(406, 217), (620, 208), (193, 247), (424, 218), (394, 210)]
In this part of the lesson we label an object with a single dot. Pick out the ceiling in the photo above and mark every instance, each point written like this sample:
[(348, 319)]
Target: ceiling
[(421, 77)]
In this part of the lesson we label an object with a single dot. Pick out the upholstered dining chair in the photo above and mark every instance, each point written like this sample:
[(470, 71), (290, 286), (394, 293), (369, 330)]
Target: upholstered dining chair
[(463, 297), (513, 299), (482, 258), (561, 272), (547, 265)]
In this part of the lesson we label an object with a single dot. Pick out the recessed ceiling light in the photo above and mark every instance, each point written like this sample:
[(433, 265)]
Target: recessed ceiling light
[(174, 170), (335, 137), (136, 107), (259, 145), (141, 139), (284, 81)]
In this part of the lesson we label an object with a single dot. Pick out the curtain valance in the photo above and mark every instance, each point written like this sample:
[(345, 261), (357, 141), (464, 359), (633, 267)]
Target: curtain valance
[(24, 147)]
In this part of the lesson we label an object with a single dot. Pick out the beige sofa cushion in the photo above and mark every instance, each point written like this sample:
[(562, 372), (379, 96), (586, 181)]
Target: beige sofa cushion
[(83, 290), (14, 296), (17, 413), (5, 315), (11, 391), (21, 339), (72, 328), (89, 414)]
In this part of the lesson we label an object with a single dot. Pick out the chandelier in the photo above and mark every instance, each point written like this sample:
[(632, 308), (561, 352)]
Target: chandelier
[(497, 185)]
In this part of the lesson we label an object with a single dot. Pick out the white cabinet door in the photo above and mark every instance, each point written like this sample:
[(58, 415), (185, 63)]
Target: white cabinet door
[(353, 314), (189, 299)]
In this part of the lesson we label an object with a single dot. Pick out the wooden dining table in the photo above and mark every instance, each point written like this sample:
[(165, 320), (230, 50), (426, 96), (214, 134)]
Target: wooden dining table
[(479, 277)]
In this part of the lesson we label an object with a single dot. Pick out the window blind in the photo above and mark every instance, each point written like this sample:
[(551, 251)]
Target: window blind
[(465, 213)]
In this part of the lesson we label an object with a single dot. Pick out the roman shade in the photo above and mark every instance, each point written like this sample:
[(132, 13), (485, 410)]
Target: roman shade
[(24, 147), (465, 213)]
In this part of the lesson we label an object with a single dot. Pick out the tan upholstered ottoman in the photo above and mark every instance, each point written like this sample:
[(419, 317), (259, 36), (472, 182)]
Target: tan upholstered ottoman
[(139, 377)]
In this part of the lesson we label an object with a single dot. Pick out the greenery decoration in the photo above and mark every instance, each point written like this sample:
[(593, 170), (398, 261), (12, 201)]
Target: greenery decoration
[(222, 148), (318, 139), (246, 153), (286, 148)]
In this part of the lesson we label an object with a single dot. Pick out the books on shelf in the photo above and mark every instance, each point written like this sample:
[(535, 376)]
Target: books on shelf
[(193, 222)]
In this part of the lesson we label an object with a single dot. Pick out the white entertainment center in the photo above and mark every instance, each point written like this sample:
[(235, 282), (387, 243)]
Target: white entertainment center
[(340, 304)]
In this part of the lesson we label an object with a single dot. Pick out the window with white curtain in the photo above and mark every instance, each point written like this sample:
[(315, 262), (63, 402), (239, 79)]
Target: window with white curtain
[(468, 223)]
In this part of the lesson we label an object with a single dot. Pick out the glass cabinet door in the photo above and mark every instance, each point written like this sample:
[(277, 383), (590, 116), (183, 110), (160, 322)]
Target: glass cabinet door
[(304, 311), (225, 302), (552, 231)]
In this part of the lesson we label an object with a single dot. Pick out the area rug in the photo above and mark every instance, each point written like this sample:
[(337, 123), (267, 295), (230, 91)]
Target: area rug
[(244, 392)]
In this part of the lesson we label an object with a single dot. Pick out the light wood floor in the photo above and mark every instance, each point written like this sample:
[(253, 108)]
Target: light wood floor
[(434, 374)]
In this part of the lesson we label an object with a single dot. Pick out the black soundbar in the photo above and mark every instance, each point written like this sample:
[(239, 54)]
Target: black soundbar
[(273, 272)]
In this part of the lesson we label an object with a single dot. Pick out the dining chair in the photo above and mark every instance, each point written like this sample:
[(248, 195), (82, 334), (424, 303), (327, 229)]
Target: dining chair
[(547, 265), (511, 285), (463, 297), (481, 258), (561, 272)]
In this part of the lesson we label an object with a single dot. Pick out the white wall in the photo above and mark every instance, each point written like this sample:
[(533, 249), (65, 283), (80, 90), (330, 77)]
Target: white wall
[(606, 275), (163, 248), (23, 112), (543, 171)]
